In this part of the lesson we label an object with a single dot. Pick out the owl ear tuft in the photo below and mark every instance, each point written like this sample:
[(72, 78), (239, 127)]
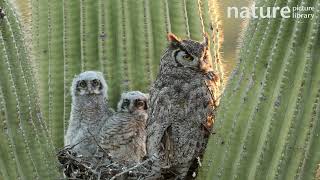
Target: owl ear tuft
[(173, 39)]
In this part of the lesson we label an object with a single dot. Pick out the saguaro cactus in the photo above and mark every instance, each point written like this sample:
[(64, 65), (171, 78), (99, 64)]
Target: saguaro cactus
[(122, 38), (267, 126), (26, 151)]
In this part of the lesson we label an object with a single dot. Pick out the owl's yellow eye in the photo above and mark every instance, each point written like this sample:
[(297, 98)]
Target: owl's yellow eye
[(187, 57)]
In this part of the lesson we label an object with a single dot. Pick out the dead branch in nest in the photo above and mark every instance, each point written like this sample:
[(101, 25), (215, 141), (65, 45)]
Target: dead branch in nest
[(132, 168), (75, 166)]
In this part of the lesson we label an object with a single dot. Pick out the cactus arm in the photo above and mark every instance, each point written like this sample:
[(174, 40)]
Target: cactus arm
[(148, 41), (159, 29), (3, 171), (17, 133), (295, 136), (209, 17), (178, 20), (237, 75), (136, 63), (56, 74), (7, 162), (291, 85), (257, 114), (263, 125), (309, 165), (26, 67), (252, 100), (271, 129), (41, 57), (71, 49), (37, 125), (26, 132), (257, 95), (193, 19), (303, 162), (102, 38), (89, 35), (112, 39), (222, 137), (125, 44)]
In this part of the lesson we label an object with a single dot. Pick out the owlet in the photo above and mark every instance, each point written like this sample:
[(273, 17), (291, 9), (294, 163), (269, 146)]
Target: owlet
[(124, 136), (89, 110)]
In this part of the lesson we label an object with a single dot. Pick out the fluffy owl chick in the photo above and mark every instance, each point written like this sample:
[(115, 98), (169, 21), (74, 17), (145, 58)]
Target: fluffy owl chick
[(89, 109), (181, 107), (123, 136)]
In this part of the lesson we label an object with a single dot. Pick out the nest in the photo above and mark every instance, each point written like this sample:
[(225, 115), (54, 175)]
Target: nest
[(100, 167)]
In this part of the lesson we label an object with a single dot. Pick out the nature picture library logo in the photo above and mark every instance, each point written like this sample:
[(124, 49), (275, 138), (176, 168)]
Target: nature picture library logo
[(298, 12)]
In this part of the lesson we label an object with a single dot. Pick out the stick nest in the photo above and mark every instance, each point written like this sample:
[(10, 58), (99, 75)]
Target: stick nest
[(100, 167)]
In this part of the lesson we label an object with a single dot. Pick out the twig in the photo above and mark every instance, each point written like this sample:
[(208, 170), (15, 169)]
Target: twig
[(96, 141), (132, 168), (71, 147)]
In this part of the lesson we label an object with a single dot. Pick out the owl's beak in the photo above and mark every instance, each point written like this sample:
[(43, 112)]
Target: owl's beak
[(91, 90)]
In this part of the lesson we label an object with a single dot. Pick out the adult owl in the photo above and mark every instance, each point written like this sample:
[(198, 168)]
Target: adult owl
[(89, 110), (124, 136), (181, 107)]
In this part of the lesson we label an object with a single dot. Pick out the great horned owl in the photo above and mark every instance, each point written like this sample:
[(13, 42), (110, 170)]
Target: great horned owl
[(181, 106), (123, 136), (89, 109)]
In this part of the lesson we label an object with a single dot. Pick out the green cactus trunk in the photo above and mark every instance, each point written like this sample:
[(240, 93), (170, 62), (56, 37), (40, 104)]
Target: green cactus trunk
[(267, 126), (26, 151), (122, 38)]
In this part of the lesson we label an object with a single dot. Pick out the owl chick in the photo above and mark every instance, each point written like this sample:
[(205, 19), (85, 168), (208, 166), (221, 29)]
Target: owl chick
[(89, 109), (123, 136), (181, 107)]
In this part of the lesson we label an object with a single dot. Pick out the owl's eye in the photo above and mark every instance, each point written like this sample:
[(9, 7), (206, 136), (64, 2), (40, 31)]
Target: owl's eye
[(82, 83), (187, 57), (139, 103), (125, 103), (95, 82)]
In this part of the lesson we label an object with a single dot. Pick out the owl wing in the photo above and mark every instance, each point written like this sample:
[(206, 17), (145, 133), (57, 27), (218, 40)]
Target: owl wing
[(202, 105), (158, 125)]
